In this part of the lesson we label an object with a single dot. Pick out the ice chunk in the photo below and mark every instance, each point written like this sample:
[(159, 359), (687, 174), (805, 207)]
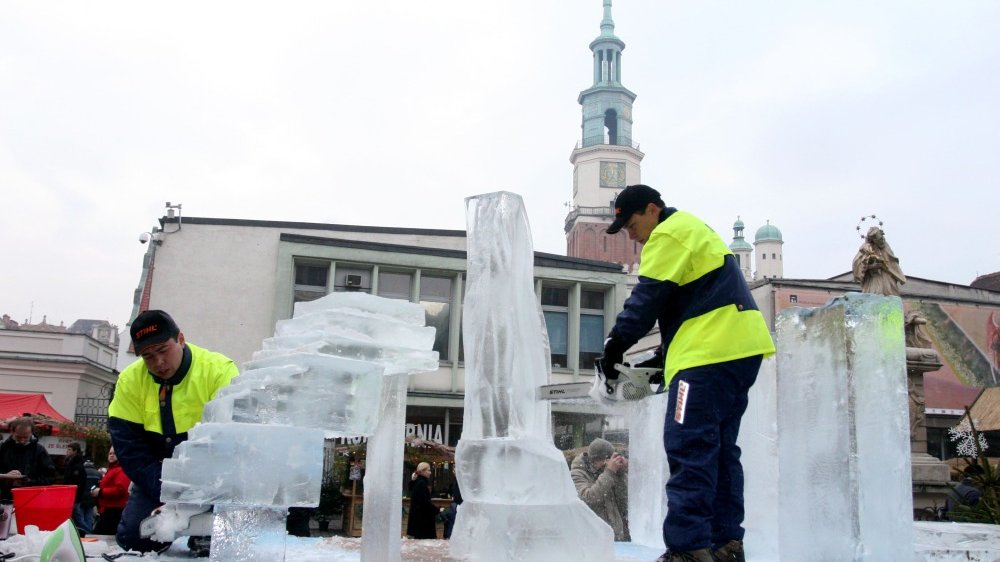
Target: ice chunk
[(531, 533), (843, 432), (759, 442), (520, 502), (506, 345), (380, 329), (526, 471), (401, 310), (245, 464), (649, 471), (310, 390), (383, 506), (348, 343), (248, 535)]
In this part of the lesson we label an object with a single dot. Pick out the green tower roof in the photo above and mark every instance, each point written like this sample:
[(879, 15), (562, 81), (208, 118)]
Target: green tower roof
[(768, 232)]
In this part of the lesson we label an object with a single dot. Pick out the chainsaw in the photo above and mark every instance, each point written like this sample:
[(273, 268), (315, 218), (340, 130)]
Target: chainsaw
[(632, 383)]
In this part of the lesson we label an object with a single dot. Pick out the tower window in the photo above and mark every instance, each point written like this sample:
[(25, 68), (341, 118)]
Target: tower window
[(763, 256), (611, 126)]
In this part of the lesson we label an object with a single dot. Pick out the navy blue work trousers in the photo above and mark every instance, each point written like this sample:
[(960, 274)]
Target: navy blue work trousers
[(705, 489), (140, 506)]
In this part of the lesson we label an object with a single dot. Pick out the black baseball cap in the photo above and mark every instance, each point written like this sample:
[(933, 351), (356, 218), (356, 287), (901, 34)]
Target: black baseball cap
[(631, 200), (152, 327)]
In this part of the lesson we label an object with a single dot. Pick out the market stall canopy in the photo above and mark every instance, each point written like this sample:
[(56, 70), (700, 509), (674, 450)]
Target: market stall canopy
[(16, 405)]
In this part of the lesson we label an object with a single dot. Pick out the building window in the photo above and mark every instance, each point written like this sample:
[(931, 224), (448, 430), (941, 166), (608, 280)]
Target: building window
[(435, 297), (395, 285), (310, 280), (793, 298), (591, 327), (774, 256), (763, 256), (555, 307)]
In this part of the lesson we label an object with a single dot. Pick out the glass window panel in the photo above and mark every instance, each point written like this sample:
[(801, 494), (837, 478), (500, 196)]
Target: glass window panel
[(303, 296), (438, 316), (591, 339), (311, 274), (557, 324), (592, 300), (394, 285), (555, 296), (435, 288)]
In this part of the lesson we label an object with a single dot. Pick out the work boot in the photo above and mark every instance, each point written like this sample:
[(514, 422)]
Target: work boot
[(732, 551), (703, 555)]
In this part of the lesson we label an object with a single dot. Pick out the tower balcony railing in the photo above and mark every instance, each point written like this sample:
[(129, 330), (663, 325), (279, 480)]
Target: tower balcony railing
[(578, 211), (593, 141)]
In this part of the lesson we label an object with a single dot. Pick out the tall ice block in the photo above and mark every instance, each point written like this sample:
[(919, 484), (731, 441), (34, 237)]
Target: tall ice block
[(843, 438), (520, 502)]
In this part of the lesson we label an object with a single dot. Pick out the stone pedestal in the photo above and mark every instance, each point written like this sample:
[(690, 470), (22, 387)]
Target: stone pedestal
[(930, 475)]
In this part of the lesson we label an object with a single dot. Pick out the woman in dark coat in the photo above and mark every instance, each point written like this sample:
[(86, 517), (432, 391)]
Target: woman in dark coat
[(421, 522)]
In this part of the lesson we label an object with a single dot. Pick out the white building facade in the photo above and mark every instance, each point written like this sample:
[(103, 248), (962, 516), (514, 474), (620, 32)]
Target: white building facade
[(226, 282)]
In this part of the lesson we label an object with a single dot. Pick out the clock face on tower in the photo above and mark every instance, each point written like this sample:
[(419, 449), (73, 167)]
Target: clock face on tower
[(612, 174)]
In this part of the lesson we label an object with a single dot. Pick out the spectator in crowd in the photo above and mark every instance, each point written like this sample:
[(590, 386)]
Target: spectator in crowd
[(23, 460), (967, 493), (601, 479), (421, 523), (450, 515), (111, 494), (75, 474)]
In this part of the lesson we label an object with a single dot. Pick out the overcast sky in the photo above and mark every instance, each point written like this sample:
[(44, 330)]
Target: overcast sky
[(806, 113)]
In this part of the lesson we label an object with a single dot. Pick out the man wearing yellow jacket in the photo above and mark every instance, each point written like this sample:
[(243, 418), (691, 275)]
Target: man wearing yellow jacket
[(713, 340), (157, 400)]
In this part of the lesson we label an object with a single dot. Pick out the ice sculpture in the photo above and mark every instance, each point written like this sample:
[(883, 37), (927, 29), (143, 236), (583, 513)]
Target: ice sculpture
[(520, 503), (339, 367), (649, 471), (830, 468)]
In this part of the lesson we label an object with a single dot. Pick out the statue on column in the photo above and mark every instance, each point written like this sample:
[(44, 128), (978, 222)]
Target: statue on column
[(875, 266)]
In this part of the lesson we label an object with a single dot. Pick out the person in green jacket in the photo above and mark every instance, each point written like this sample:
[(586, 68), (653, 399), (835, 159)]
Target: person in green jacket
[(713, 339), (157, 399)]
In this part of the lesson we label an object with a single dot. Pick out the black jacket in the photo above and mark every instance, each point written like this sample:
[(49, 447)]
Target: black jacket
[(75, 474), (31, 459), (421, 523)]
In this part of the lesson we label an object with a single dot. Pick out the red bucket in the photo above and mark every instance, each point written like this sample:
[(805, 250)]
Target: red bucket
[(46, 507)]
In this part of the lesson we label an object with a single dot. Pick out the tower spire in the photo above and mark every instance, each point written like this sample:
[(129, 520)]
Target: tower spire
[(606, 158), (607, 24)]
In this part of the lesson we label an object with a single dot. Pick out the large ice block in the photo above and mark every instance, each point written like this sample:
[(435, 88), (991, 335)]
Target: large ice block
[(248, 535), (350, 344), (843, 432), (506, 345), (397, 309), (526, 471), (241, 464), (383, 505), (490, 532), (520, 502), (761, 480), (360, 325), (308, 390), (648, 470)]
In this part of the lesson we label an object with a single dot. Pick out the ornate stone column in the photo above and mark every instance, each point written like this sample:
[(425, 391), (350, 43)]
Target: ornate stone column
[(930, 475)]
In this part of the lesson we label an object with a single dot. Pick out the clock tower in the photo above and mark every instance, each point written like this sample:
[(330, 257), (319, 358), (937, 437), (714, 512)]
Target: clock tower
[(605, 159)]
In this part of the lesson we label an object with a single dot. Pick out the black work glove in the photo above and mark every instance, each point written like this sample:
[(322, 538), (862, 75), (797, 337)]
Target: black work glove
[(614, 353)]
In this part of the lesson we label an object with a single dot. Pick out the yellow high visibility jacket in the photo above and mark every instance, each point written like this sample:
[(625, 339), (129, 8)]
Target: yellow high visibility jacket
[(690, 283), (136, 420)]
